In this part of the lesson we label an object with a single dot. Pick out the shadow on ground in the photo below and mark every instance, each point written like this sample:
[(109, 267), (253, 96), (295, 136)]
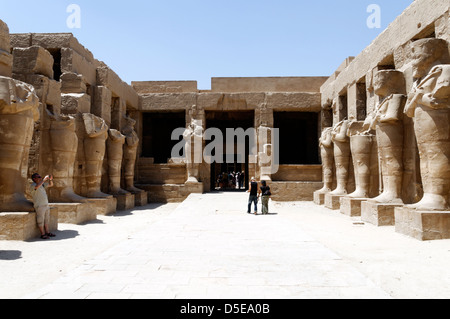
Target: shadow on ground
[(10, 254), (60, 235)]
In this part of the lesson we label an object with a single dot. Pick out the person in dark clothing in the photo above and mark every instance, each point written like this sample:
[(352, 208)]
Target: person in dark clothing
[(253, 190), (225, 180), (265, 191), (242, 179)]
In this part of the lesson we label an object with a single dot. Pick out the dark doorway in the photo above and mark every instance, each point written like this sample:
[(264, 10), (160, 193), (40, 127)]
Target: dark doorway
[(220, 177), (299, 137), (157, 134), (56, 53)]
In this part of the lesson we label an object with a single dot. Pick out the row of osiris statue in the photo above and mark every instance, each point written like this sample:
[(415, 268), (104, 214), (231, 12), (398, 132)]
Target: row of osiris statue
[(19, 110), (428, 103)]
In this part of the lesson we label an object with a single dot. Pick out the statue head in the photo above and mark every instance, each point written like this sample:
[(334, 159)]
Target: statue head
[(386, 82), (6, 58), (426, 53), (129, 122)]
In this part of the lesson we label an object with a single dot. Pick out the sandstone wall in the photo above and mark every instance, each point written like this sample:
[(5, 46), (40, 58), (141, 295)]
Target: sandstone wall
[(389, 50), (262, 96), (267, 84), (69, 80), (349, 92)]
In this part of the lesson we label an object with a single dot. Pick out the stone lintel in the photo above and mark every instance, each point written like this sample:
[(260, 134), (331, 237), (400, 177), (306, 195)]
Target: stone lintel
[(33, 60)]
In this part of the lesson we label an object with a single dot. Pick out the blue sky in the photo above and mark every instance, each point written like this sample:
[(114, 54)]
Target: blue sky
[(201, 39)]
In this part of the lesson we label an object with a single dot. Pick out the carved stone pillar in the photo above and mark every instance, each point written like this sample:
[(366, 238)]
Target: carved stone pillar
[(265, 155), (429, 105), (361, 148), (342, 156), (327, 155), (193, 136), (19, 110), (115, 144), (130, 154), (94, 148), (64, 143), (387, 118)]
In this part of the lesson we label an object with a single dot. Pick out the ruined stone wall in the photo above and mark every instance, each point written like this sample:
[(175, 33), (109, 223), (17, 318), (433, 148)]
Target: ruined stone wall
[(349, 92), (69, 81), (263, 96), (267, 84), (34, 65), (19, 110), (370, 95), (388, 50)]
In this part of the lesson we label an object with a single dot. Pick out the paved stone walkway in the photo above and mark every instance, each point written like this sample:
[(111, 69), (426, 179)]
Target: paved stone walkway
[(210, 248)]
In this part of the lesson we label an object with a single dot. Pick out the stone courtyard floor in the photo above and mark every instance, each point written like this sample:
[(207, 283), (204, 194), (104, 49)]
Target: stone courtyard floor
[(208, 247)]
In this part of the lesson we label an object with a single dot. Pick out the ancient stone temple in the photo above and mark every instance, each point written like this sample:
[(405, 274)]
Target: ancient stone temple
[(393, 102), (371, 140), (290, 104)]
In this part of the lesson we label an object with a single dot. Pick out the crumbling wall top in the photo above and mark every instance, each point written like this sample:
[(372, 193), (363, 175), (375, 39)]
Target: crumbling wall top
[(416, 21), (148, 87), (267, 84)]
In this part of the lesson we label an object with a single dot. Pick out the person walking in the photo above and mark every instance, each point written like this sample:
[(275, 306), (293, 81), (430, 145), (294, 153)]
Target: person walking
[(266, 193), (253, 190), (40, 201)]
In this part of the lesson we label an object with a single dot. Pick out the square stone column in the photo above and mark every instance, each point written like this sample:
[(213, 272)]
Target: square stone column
[(102, 103)]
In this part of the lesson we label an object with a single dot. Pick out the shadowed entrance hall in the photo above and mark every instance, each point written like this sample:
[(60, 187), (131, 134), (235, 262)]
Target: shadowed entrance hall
[(223, 174)]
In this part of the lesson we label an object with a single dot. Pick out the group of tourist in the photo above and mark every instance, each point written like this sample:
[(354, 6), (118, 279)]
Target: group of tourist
[(231, 180), (40, 199), (255, 192)]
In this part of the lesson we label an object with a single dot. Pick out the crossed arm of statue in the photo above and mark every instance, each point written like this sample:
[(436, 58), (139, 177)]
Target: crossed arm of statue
[(387, 112), (340, 131), (325, 139), (439, 79)]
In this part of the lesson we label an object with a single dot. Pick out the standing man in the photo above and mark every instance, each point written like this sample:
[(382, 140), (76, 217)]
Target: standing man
[(253, 190), (40, 200), (265, 197)]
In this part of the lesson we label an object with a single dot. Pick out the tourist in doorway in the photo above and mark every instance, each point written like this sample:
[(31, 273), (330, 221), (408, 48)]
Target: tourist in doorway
[(253, 190), (266, 193), (241, 180), (40, 201)]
